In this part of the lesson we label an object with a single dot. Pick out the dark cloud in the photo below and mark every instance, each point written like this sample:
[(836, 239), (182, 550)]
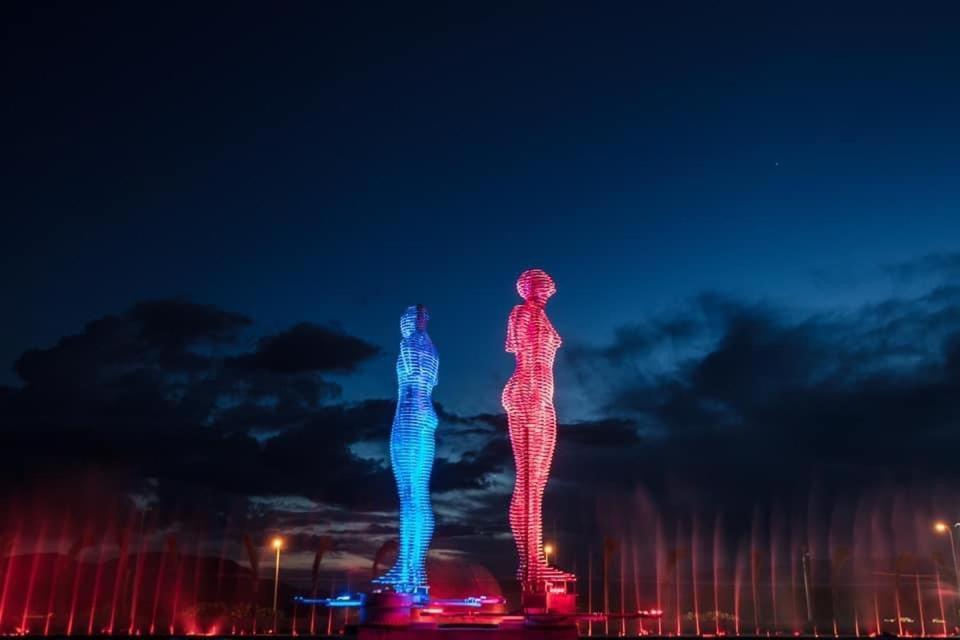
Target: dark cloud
[(175, 335), (610, 432), (309, 347), (638, 339), (146, 395), (725, 405), (382, 529), (163, 405), (473, 468), (443, 531), (848, 399), (670, 331), (933, 265), (181, 323)]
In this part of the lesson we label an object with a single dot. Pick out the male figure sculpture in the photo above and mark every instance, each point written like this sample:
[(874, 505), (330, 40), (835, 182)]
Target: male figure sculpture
[(412, 445)]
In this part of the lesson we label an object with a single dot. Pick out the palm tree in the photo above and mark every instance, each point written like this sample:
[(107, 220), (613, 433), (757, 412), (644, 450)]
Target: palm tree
[(610, 547), (254, 557), (324, 544), (388, 547), (840, 557), (902, 564), (755, 559)]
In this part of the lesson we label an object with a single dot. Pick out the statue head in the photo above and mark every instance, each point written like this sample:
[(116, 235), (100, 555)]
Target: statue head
[(413, 319), (535, 285)]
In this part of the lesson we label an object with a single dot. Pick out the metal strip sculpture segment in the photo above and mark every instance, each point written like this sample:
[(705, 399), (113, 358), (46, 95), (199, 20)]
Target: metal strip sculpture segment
[(412, 446), (532, 420)]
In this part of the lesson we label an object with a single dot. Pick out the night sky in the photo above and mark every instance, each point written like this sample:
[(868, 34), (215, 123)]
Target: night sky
[(214, 215)]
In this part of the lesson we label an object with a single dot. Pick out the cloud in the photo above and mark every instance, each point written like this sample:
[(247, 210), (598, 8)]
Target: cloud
[(473, 468), (640, 339), (777, 400), (180, 323), (937, 265), (152, 393), (170, 334), (723, 404), (309, 347), (165, 405), (609, 432)]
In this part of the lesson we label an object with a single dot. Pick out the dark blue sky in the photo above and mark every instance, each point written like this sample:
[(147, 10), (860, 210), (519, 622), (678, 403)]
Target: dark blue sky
[(690, 174), (315, 162)]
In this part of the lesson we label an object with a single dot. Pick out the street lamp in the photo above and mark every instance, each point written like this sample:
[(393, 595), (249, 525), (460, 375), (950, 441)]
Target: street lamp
[(941, 528), (547, 550), (277, 545)]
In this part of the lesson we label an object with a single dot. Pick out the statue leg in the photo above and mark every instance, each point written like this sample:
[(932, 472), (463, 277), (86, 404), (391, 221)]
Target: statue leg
[(398, 575), (545, 445), (421, 507), (518, 419)]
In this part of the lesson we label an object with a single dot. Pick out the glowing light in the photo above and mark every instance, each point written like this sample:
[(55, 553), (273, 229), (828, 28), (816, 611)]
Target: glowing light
[(412, 445), (941, 527), (277, 543), (474, 602), (342, 601), (532, 420)]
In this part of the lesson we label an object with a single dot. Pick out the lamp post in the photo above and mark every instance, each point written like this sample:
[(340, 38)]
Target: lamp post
[(277, 545), (547, 550), (941, 528)]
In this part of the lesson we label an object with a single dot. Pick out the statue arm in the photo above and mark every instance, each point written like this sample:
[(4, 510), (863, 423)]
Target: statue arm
[(419, 360), (429, 362), (405, 361)]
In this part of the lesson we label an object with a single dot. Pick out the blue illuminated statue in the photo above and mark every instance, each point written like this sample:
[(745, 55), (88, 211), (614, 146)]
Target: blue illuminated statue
[(412, 445)]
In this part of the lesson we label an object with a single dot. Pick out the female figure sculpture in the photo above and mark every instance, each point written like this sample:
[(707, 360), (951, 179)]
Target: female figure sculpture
[(532, 420), (412, 445)]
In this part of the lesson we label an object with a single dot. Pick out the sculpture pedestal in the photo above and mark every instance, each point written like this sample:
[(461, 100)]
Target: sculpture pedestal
[(387, 609), (502, 632), (392, 616), (549, 604)]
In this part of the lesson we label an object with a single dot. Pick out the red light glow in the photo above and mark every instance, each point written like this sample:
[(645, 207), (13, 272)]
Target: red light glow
[(528, 400)]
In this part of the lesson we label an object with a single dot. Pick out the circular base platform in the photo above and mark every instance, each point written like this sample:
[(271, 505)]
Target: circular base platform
[(387, 609)]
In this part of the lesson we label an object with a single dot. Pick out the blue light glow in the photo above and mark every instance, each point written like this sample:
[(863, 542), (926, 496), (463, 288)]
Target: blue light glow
[(412, 445), (342, 601)]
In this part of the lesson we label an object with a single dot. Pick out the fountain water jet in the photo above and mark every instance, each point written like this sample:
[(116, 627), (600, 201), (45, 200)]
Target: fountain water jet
[(773, 570), (623, 620), (96, 588), (635, 563), (943, 613), (694, 556), (137, 576), (923, 623), (8, 574), (77, 574), (31, 581), (54, 581), (177, 586), (737, 586), (717, 551), (755, 575), (123, 546)]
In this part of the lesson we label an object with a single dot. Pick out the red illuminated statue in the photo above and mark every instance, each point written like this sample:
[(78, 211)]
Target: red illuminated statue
[(528, 399)]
